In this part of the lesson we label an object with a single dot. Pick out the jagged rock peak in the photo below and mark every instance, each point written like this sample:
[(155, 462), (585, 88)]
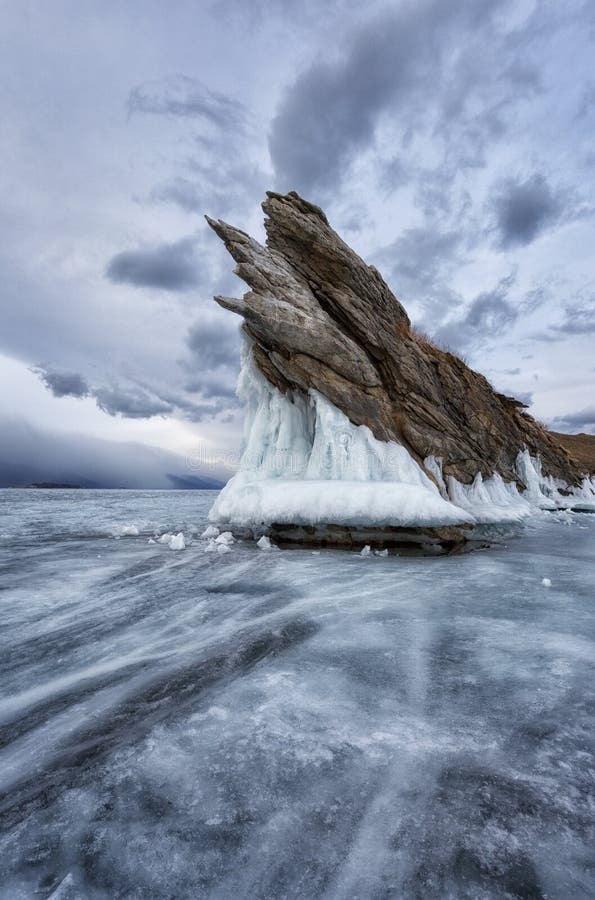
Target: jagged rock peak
[(321, 318)]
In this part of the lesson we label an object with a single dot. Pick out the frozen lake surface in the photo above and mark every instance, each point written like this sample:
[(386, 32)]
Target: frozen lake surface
[(271, 724)]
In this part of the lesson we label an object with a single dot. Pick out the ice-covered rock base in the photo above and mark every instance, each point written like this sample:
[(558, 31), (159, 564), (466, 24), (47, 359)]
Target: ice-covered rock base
[(311, 476)]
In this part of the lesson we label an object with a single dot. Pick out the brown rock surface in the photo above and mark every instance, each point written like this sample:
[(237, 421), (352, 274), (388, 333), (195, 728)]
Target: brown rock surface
[(581, 447), (321, 318)]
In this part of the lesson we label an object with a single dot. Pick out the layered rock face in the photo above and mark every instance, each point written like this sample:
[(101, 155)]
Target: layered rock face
[(321, 319)]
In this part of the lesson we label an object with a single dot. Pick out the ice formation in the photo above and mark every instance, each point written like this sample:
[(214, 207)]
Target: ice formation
[(305, 463), (177, 542)]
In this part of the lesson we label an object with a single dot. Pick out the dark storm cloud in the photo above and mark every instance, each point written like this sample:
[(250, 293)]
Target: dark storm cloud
[(524, 209), (181, 96), (216, 181), (213, 365), (29, 454), (331, 110), (62, 384), (583, 420), (182, 191), (168, 267), (131, 403), (418, 265), (214, 344), (221, 171), (141, 400), (489, 314), (578, 319)]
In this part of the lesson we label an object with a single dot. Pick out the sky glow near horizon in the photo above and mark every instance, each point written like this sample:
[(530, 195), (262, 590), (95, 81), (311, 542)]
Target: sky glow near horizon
[(450, 143)]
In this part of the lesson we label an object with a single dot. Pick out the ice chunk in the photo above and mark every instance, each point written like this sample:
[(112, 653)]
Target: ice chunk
[(265, 543), (165, 538), (546, 582), (129, 531), (177, 542), (211, 531), (365, 551), (217, 547), (381, 552), (226, 537)]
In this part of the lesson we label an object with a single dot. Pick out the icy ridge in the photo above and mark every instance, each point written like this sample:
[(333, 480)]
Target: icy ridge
[(305, 463)]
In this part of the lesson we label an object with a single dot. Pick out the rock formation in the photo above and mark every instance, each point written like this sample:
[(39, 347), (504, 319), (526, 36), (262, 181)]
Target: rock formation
[(321, 318)]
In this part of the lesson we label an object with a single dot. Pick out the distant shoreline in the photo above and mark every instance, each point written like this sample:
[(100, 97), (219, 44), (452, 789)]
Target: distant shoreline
[(46, 485), (82, 487)]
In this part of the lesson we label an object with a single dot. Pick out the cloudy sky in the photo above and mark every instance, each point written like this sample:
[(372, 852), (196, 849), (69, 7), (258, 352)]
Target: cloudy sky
[(451, 142)]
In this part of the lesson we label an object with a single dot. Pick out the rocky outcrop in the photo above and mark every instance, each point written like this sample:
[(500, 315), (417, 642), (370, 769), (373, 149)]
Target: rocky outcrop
[(321, 318)]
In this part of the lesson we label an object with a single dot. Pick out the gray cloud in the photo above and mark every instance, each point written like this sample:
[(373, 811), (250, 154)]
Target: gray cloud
[(418, 265), (525, 397), (169, 267), (524, 209), (578, 319), (583, 420), (214, 343), (330, 111), (131, 403), (395, 62), (62, 384), (215, 181), (144, 401), (213, 366), (489, 314), (185, 97)]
